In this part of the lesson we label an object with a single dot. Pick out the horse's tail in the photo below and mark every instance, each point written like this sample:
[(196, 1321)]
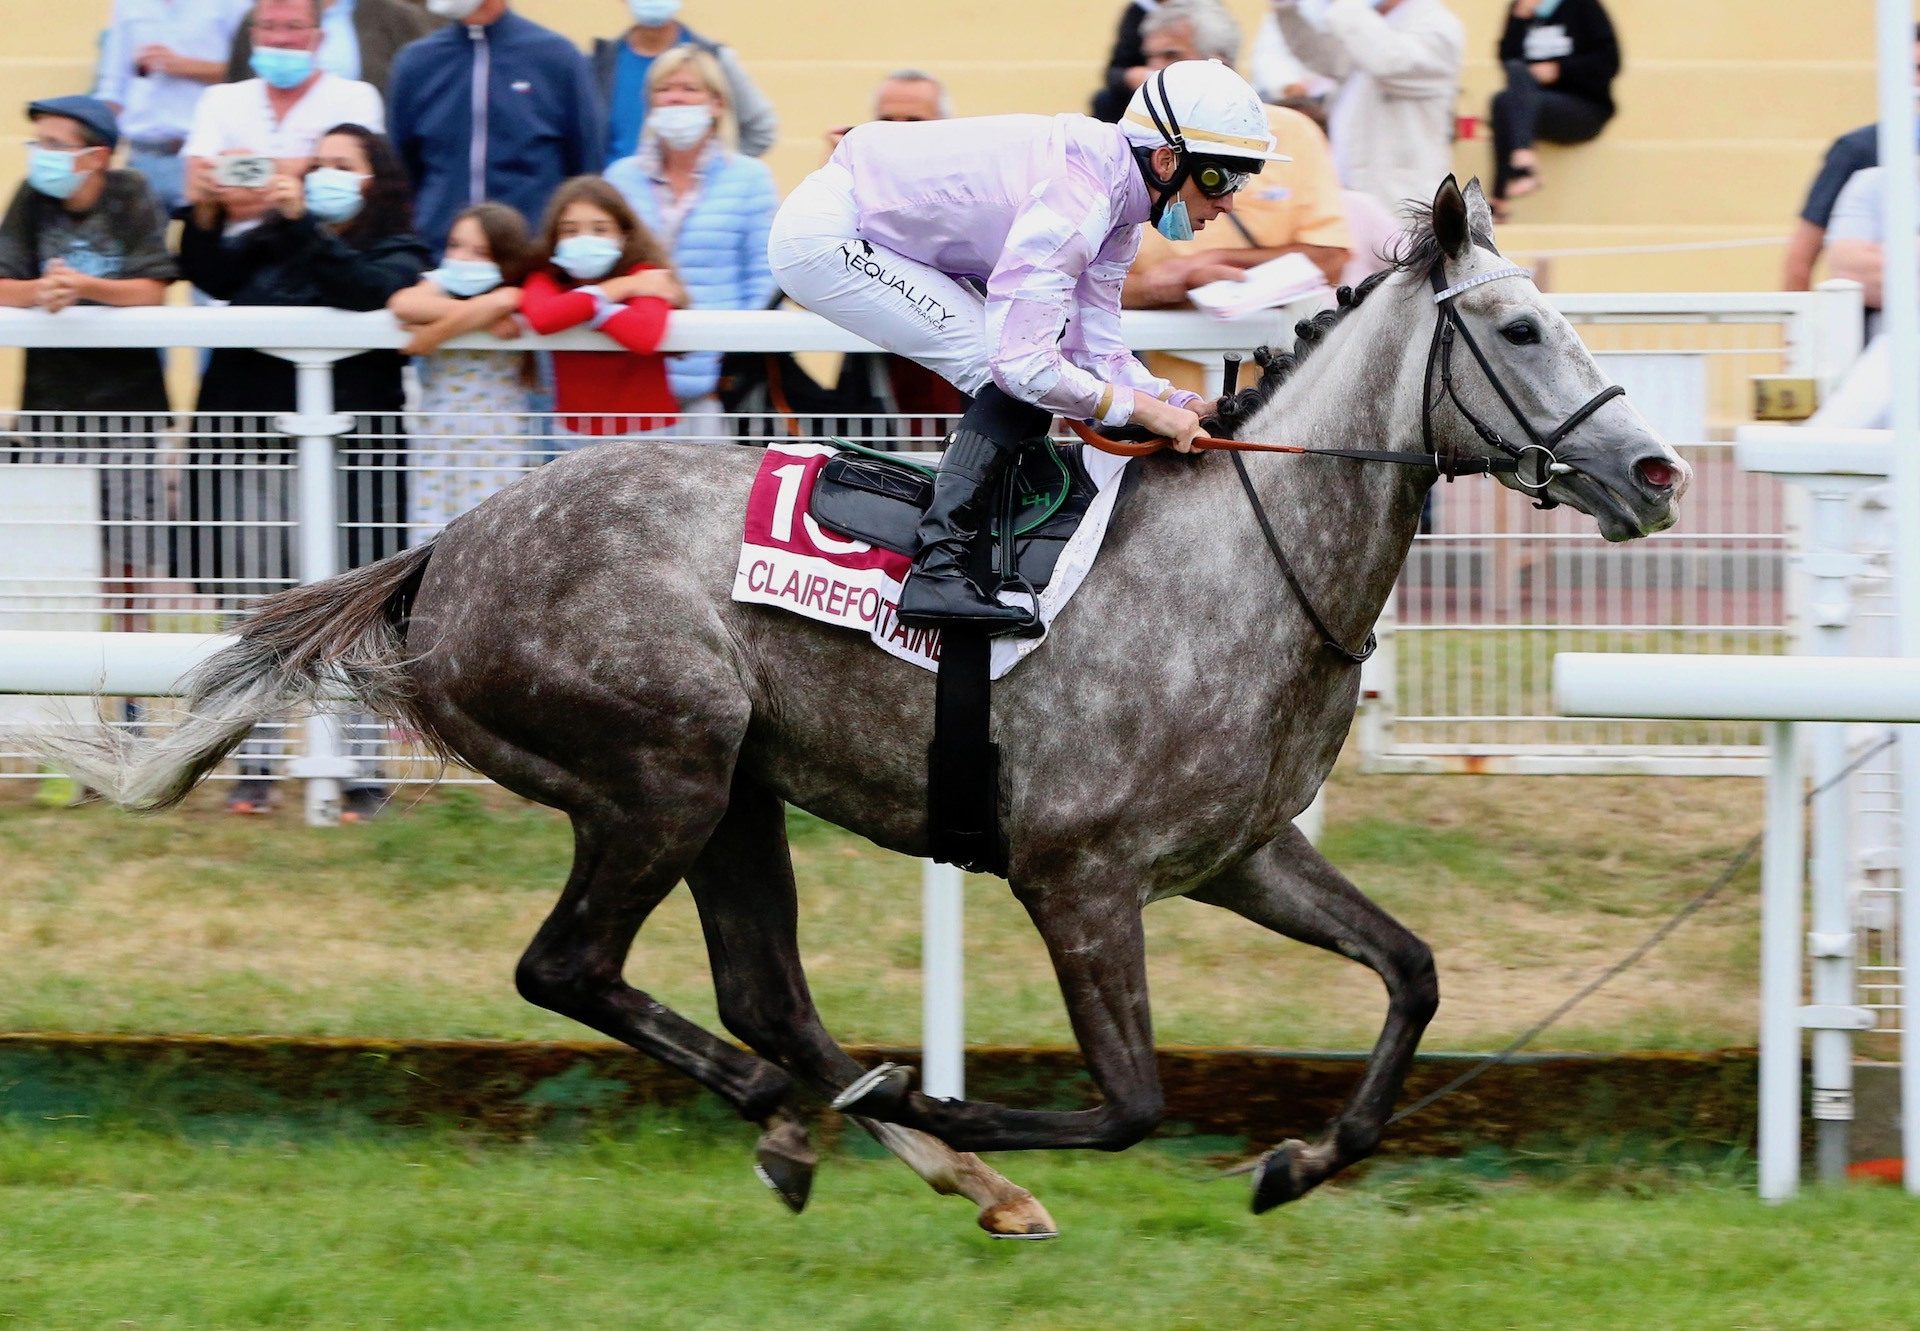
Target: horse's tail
[(346, 634)]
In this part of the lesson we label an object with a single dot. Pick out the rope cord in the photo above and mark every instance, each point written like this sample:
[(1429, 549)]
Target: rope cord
[(1740, 861)]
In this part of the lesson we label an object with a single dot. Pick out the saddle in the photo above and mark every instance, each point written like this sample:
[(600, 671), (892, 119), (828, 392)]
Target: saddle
[(1037, 504), (879, 497)]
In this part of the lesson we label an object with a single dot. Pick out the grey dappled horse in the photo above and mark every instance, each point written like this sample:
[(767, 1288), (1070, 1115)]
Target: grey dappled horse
[(573, 638)]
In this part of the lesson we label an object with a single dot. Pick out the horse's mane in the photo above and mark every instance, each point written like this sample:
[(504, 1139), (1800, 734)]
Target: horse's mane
[(1414, 250)]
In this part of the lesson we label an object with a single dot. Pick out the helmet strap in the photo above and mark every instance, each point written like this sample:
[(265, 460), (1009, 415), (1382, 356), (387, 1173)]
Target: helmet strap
[(1164, 187)]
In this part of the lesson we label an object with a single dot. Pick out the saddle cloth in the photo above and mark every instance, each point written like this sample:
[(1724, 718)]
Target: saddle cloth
[(789, 558)]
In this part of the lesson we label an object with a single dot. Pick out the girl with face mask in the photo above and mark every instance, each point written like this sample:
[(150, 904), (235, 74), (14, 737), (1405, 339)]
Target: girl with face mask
[(596, 265), (340, 235), (710, 207), (469, 437)]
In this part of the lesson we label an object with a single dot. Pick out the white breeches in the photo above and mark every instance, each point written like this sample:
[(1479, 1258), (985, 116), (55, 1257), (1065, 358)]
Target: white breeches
[(894, 302)]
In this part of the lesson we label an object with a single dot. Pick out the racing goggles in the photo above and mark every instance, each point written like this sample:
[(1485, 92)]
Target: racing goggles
[(1218, 177)]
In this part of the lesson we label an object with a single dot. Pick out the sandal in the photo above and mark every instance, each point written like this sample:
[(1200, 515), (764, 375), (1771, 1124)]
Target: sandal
[(1521, 181)]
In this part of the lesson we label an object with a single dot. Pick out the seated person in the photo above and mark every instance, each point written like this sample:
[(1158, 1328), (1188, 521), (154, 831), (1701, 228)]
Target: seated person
[(1561, 58)]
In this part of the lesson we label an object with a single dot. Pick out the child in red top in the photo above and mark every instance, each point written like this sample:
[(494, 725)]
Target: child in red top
[(598, 265)]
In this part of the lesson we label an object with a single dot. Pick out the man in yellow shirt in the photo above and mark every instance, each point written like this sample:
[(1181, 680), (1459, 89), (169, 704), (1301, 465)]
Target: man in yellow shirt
[(1290, 207)]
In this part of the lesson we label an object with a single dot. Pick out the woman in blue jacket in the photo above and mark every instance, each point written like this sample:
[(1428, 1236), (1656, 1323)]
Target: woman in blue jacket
[(708, 204)]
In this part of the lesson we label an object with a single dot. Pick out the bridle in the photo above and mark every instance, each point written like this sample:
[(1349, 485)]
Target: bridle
[(1547, 464)]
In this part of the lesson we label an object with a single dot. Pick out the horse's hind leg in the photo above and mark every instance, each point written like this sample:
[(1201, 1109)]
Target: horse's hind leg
[(624, 866), (743, 885), (1289, 887), (1094, 937)]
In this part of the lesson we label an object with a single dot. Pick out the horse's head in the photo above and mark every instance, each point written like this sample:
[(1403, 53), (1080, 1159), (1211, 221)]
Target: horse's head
[(1506, 374)]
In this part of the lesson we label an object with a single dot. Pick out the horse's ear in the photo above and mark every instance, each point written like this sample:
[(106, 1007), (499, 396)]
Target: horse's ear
[(1479, 212), (1450, 219)]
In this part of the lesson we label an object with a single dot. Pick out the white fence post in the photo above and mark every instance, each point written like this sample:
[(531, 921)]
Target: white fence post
[(1780, 924), (316, 426), (943, 1032)]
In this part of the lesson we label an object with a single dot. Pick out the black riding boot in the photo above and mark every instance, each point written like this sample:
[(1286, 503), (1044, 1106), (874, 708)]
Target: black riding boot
[(938, 591)]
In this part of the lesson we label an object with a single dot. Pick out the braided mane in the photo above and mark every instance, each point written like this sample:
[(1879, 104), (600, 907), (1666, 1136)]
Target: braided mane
[(1414, 250)]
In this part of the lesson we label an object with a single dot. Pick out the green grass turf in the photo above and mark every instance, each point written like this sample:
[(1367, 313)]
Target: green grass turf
[(667, 1229), (410, 926)]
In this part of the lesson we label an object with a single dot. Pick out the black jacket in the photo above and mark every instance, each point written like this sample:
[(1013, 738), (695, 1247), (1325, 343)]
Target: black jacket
[(299, 262), (1589, 71), (1129, 51)]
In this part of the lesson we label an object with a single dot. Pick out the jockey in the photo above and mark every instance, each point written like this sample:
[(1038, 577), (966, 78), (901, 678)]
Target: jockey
[(897, 237)]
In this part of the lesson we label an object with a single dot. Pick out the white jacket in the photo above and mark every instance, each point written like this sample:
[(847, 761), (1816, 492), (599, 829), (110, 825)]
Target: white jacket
[(1399, 73)]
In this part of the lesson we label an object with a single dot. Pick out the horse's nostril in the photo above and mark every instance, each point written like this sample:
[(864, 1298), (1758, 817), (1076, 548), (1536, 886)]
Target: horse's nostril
[(1657, 472)]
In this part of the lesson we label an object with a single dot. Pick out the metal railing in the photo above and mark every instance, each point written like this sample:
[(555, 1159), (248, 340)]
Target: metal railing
[(175, 522)]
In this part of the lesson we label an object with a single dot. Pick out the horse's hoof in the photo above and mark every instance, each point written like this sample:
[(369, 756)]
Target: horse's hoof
[(1276, 1182), (1019, 1218), (877, 1094), (784, 1161)]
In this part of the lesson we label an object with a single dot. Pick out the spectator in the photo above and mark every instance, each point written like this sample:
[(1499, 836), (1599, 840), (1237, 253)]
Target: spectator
[(597, 264), (536, 122), (1857, 239), (1126, 65), (340, 236), (621, 74), (1561, 57), (1290, 207), (1373, 229), (156, 58), (473, 404), (1853, 151), (709, 207), (81, 233), (1279, 74), (1399, 72), (906, 96), (358, 39), (280, 114)]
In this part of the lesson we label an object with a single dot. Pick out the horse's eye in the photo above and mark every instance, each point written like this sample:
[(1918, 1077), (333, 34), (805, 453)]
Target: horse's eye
[(1521, 332)]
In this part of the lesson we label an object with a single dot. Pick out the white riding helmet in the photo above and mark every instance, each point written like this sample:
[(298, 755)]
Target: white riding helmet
[(1202, 107)]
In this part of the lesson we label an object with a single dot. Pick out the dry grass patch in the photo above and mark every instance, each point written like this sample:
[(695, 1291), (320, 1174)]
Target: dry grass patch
[(1526, 887)]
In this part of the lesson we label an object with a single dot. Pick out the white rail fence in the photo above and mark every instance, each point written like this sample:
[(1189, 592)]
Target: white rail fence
[(173, 523)]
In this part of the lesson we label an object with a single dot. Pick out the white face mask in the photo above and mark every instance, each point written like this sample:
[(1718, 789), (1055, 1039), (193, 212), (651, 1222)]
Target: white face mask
[(466, 277), (453, 9), (680, 126), (587, 258)]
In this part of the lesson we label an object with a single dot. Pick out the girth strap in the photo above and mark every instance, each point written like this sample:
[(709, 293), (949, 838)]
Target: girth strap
[(963, 765)]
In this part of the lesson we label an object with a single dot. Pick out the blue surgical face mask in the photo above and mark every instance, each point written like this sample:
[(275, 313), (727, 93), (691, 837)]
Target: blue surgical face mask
[(680, 126), (587, 258), (652, 13), (466, 277), (1175, 223), (334, 195), (280, 67), (1545, 8), (51, 171)]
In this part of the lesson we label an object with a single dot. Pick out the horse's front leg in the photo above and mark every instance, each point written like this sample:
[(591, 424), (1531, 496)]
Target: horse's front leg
[(1289, 887), (1099, 954)]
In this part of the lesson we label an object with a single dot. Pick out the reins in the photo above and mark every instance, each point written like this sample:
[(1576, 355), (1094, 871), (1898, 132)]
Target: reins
[(1450, 464)]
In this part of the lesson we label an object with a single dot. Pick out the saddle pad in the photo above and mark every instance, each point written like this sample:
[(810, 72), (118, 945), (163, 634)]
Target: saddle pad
[(880, 500), (789, 559)]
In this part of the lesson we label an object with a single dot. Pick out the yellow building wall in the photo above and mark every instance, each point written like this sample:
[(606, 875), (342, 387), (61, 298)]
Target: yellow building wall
[(1726, 105)]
